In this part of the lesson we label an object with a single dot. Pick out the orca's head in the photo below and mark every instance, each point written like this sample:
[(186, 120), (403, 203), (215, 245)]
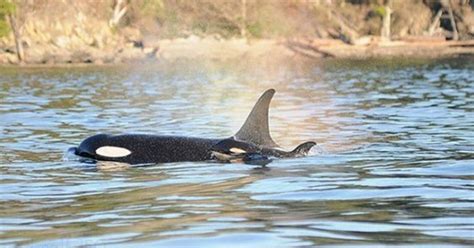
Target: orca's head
[(231, 150), (100, 147)]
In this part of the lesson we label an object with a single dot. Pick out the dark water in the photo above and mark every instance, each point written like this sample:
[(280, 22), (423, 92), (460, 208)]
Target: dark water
[(394, 166)]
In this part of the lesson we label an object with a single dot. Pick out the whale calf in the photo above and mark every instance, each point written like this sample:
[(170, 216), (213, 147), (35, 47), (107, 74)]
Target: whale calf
[(252, 143)]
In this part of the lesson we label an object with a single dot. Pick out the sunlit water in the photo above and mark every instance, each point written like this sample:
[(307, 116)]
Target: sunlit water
[(394, 162)]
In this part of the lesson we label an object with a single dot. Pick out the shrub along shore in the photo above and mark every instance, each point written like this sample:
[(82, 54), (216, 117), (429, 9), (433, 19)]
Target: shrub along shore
[(118, 31)]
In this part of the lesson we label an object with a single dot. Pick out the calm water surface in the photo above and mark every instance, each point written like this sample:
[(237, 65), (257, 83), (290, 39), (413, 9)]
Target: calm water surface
[(394, 164)]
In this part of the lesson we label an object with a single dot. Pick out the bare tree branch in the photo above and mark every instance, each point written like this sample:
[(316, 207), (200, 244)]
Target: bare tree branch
[(17, 36), (119, 12)]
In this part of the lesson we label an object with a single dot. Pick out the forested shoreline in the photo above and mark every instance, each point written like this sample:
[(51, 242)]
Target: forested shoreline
[(121, 31)]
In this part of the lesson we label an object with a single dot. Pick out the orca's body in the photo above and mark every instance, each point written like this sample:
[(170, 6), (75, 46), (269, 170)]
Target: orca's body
[(252, 142), (146, 148)]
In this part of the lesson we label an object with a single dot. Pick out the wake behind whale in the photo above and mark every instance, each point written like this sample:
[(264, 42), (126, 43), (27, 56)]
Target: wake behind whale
[(251, 144)]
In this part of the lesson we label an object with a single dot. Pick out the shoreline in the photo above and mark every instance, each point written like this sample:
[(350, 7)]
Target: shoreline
[(212, 49)]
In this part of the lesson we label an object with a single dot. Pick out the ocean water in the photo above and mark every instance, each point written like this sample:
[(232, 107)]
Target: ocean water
[(394, 163)]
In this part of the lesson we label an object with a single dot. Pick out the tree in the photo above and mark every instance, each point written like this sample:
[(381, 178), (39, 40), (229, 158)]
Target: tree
[(7, 13), (386, 20), (6, 8), (243, 25), (120, 9)]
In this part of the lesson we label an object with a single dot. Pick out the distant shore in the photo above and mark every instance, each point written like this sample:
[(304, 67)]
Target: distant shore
[(112, 32), (228, 49)]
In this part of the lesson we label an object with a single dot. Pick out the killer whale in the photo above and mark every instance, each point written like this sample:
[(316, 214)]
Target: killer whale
[(251, 143)]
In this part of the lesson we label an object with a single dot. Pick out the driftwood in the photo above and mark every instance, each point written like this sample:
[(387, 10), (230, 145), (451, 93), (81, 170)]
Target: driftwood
[(306, 49)]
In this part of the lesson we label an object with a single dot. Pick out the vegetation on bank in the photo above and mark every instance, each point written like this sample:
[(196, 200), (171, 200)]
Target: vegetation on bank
[(6, 9), (52, 30), (337, 19)]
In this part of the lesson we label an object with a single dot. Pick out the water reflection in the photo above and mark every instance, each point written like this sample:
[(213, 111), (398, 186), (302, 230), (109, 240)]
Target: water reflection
[(393, 166)]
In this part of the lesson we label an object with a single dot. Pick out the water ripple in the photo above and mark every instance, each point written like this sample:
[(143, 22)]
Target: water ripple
[(393, 165)]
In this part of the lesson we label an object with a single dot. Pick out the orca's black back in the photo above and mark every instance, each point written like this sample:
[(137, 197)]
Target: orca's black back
[(148, 148)]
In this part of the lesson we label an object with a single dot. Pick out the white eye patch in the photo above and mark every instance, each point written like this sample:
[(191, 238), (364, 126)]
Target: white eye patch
[(112, 151), (237, 150)]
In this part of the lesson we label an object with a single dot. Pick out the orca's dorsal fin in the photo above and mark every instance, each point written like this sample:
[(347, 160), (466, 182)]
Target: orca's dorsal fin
[(255, 128)]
